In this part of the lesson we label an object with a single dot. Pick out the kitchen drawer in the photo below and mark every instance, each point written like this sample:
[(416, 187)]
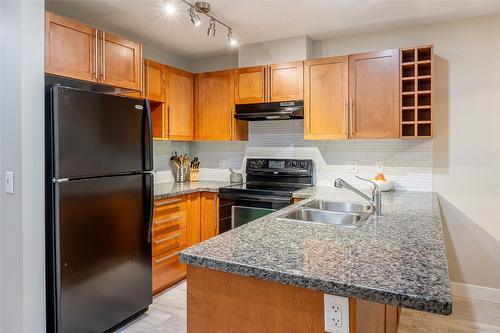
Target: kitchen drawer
[(167, 270), (170, 207), (168, 223), (168, 242)]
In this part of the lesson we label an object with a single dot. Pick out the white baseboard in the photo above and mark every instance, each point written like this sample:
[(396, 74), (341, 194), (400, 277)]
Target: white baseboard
[(477, 293)]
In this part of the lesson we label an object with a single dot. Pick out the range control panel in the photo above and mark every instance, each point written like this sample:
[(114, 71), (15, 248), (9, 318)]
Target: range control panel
[(255, 164)]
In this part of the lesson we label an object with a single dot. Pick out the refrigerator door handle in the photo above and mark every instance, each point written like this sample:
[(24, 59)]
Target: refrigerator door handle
[(150, 203), (148, 139)]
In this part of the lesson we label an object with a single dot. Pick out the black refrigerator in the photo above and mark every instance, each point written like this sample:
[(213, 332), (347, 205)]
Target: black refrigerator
[(99, 200)]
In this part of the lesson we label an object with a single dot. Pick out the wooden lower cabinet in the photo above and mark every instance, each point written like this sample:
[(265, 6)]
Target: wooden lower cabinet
[(177, 224), (167, 270), (169, 238), (209, 217), (224, 302)]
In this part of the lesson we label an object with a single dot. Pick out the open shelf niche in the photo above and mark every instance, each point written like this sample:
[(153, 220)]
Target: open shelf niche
[(416, 92)]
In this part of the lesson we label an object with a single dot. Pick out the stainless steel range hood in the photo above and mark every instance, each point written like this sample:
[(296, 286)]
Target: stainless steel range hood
[(270, 111)]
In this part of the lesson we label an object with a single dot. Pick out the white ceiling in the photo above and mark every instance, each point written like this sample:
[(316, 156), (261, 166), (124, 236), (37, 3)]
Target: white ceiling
[(261, 20)]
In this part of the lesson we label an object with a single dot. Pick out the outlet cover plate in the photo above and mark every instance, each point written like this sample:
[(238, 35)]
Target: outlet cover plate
[(336, 314), (351, 167)]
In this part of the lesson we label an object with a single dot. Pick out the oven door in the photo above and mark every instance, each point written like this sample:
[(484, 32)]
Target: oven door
[(236, 210), (241, 215)]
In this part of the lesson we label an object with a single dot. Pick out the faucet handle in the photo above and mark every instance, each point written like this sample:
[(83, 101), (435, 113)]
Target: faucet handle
[(375, 185)]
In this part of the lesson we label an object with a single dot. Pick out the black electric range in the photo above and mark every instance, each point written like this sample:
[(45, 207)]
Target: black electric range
[(269, 186)]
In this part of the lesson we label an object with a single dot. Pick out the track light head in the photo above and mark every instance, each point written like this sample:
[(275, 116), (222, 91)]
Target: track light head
[(211, 28), (195, 19), (170, 7), (231, 38)]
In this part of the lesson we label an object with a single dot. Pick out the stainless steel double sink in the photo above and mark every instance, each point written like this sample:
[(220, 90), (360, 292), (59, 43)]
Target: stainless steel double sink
[(331, 212)]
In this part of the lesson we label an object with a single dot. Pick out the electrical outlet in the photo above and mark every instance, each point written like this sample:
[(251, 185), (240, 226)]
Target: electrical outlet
[(336, 314), (380, 167), (351, 167)]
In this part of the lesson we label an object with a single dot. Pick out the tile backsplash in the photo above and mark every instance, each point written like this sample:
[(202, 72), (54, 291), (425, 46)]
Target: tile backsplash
[(162, 151), (406, 162)]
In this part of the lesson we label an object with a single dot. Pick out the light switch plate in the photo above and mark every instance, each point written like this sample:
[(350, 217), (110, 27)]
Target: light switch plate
[(380, 166), (336, 314), (9, 182)]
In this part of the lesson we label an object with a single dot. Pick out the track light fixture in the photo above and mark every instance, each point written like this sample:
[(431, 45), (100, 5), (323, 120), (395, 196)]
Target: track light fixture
[(195, 19), (211, 28), (203, 8)]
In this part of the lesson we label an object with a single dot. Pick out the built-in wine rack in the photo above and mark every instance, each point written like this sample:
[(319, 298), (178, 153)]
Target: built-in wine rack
[(416, 92)]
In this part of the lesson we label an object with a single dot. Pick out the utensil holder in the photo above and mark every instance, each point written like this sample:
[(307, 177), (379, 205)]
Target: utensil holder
[(180, 173), (194, 175)]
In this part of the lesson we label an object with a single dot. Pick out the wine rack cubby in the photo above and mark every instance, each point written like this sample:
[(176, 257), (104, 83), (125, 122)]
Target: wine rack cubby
[(416, 92)]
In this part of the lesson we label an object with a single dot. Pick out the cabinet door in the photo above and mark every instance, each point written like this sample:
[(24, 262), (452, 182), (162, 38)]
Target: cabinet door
[(209, 206), (325, 98), (120, 62), (374, 94), (158, 120), (250, 85), (286, 82), (180, 104), (155, 81), (214, 98), (193, 226), (70, 48)]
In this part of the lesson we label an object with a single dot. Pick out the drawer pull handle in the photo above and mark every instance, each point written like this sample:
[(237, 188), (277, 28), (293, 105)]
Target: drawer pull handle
[(167, 220), (159, 241), (157, 261), (166, 203)]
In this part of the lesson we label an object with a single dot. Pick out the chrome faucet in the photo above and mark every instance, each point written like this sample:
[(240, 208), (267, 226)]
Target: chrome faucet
[(375, 201)]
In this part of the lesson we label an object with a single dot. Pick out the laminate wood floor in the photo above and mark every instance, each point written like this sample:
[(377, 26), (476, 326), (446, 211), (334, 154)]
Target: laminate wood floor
[(167, 314)]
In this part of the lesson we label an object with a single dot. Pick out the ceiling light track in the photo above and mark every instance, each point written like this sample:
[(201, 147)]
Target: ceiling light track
[(203, 8)]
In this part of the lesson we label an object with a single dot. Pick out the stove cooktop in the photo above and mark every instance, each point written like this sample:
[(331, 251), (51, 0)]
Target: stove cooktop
[(262, 188)]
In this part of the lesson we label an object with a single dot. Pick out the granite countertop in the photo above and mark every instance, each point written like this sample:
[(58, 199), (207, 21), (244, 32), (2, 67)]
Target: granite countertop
[(172, 189), (397, 259)]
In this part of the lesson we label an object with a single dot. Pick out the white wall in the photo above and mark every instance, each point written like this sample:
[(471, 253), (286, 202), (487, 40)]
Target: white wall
[(276, 51), (467, 136), (163, 56), (22, 244), (228, 60)]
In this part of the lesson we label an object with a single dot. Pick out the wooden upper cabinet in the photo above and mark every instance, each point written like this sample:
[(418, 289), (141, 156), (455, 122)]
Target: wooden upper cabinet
[(154, 80), (69, 48), (286, 82), (374, 94), (214, 100), (180, 104), (325, 98), (250, 85), (121, 62), (78, 51)]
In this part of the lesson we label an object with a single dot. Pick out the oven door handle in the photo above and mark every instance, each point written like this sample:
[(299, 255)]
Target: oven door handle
[(255, 198)]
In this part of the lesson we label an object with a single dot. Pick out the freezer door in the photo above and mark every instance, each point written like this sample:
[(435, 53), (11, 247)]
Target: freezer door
[(103, 251), (97, 134)]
